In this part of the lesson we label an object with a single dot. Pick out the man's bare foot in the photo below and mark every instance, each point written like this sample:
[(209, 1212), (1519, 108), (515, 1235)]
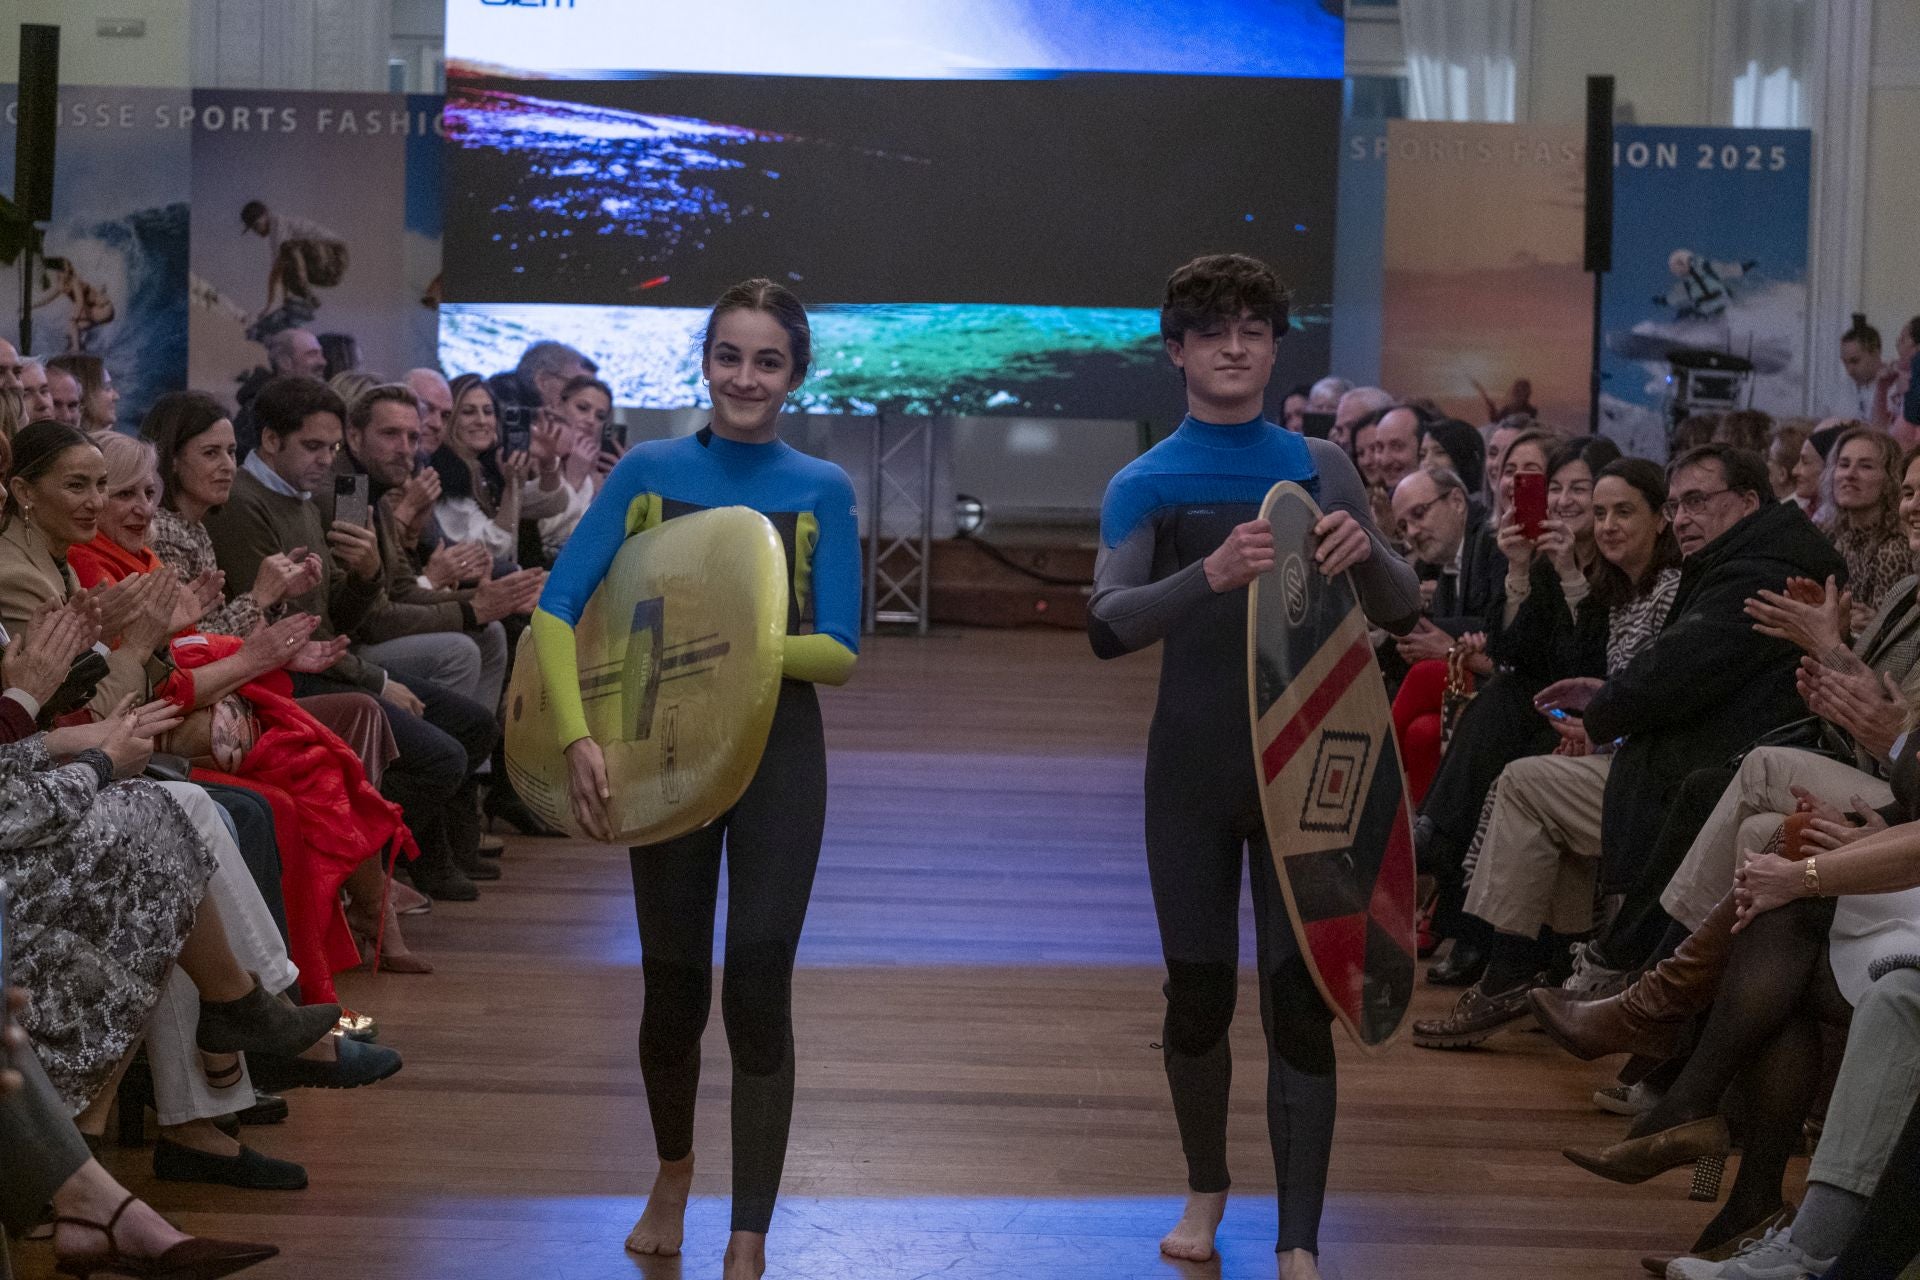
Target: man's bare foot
[(1298, 1264), (746, 1256), (662, 1224), (1191, 1239)]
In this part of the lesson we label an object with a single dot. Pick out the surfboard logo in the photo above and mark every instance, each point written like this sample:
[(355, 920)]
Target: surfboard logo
[(1293, 586)]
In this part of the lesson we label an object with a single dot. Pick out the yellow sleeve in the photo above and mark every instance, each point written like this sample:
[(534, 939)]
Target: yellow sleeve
[(819, 659), (560, 668)]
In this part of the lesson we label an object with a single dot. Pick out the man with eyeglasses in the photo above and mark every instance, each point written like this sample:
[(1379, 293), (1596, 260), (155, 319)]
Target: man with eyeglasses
[(1700, 693), (1448, 535)]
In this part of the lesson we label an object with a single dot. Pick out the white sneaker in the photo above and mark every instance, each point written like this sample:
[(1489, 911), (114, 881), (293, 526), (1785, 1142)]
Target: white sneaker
[(1591, 981), (1773, 1256)]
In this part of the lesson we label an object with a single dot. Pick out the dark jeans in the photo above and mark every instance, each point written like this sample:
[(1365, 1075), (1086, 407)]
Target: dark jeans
[(432, 777)]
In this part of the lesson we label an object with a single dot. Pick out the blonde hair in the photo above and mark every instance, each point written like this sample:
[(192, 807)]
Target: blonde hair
[(127, 458)]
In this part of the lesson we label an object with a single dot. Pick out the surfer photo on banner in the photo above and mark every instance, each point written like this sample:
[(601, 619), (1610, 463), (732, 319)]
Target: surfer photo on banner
[(1181, 540), (754, 353)]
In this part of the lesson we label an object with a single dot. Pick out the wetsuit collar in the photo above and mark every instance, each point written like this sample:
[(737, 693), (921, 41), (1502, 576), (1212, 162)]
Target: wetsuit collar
[(1216, 435), (723, 447)]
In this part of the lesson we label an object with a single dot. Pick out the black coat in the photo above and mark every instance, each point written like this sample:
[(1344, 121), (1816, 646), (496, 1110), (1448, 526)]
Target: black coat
[(1466, 603), (1708, 685)]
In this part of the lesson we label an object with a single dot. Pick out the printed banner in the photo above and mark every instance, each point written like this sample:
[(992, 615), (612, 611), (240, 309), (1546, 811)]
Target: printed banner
[(1709, 254), (317, 211), (1483, 283), (114, 280)]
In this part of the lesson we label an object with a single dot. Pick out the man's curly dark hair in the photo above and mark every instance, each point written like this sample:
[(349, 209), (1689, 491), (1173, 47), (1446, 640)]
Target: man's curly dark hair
[(1221, 286)]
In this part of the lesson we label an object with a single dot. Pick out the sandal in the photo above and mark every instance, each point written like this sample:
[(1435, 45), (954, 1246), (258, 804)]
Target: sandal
[(191, 1259)]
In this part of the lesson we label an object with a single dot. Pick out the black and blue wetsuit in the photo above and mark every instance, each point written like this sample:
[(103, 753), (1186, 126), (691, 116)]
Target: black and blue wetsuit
[(772, 836), (1164, 514)]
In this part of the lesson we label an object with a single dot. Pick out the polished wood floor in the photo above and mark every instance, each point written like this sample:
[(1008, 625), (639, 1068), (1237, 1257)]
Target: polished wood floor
[(978, 1092)]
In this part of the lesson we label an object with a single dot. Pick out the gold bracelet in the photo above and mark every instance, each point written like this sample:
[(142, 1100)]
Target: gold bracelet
[(1810, 878)]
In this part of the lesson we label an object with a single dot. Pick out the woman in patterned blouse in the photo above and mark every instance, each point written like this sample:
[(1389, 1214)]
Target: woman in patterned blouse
[(1862, 517)]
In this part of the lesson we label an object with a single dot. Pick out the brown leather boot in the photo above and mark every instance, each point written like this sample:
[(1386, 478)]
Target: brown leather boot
[(1648, 1017)]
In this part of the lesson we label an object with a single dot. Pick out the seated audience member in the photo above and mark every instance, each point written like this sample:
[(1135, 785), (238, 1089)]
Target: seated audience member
[(63, 390), (1860, 355), (98, 1224), (1830, 941), (1355, 404), (1862, 518), (436, 407), (290, 353), (1704, 687), (1453, 444), (485, 492), (1324, 395), (341, 352), (1499, 438), (1434, 518), (530, 395), (1398, 441), (1793, 467), (589, 407), (1293, 407), (443, 737), (99, 401), (36, 401), (1891, 384), (1691, 432), (1749, 429), (331, 826), (1578, 602)]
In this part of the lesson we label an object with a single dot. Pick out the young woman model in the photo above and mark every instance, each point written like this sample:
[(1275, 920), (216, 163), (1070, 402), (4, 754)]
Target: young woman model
[(755, 352)]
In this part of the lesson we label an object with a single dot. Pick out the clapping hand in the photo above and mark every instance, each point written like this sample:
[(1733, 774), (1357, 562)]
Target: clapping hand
[(37, 662), (197, 597), (286, 575), (1868, 705), (1817, 627)]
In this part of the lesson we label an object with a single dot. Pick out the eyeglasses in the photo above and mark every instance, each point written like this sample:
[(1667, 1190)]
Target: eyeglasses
[(1691, 503), (1416, 514)]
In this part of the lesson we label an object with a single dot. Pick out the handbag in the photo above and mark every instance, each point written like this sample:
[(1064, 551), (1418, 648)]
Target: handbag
[(1455, 696)]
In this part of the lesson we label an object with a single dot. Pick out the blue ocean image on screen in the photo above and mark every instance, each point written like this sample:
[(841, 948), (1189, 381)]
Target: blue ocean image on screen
[(903, 39), (931, 359)]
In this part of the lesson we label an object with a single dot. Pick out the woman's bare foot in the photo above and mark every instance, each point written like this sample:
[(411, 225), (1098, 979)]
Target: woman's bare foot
[(92, 1195), (1191, 1239), (746, 1256), (662, 1224), (1299, 1264)]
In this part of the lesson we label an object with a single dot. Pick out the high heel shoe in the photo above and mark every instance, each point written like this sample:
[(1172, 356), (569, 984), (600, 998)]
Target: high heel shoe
[(373, 949), (1702, 1143), (191, 1259)]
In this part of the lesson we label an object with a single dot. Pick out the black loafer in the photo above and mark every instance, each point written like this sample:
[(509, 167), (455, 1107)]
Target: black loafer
[(249, 1170), (357, 1065), (267, 1108)]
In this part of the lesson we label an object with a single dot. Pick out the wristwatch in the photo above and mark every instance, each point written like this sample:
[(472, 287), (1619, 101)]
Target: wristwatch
[(1810, 878)]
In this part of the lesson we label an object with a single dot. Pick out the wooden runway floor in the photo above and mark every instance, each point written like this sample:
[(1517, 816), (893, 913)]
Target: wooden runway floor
[(978, 1092)]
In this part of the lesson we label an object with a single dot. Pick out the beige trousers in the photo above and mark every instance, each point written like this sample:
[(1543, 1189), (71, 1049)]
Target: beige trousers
[(1542, 852), (1748, 815)]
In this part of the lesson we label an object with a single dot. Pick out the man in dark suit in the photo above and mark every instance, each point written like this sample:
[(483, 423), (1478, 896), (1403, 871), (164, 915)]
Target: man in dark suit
[(1448, 534)]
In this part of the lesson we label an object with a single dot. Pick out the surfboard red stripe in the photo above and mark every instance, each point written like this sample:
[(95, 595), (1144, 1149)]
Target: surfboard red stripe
[(1294, 734)]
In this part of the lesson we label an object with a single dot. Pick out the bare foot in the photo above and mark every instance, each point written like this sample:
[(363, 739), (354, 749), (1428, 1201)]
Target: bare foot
[(92, 1196), (1191, 1239), (662, 1224), (1299, 1264), (746, 1256)]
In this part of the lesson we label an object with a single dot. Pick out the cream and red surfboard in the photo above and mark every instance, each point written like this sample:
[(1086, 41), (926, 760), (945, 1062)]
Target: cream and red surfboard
[(1331, 790)]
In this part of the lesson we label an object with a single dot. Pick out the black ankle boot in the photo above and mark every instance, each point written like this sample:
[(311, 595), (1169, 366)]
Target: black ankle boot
[(260, 1023)]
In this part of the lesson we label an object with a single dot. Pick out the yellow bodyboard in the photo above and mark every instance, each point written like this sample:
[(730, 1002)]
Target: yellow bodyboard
[(679, 657)]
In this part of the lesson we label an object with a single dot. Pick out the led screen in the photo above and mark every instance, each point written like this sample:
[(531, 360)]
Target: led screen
[(987, 231)]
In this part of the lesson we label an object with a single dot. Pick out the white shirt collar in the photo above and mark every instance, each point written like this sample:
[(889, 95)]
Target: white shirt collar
[(266, 475)]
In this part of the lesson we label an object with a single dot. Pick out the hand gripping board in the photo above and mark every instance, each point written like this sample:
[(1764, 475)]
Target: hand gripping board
[(1331, 790), (679, 658)]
